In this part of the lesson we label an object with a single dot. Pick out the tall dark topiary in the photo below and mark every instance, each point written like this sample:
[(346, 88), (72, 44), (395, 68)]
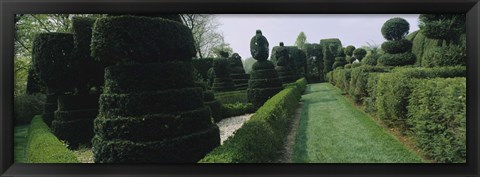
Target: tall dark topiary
[(51, 56), (222, 81), (284, 65), (237, 72), (447, 27), (264, 81), (314, 66), (331, 48), (34, 84), (297, 60), (349, 53), (73, 121), (210, 101), (398, 50), (150, 110)]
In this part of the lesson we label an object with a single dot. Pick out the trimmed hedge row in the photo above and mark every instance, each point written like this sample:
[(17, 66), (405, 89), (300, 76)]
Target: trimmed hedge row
[(236, 109), (341, 79), (437, 117), (261, 137), (44, 147), (154, 40), (394, 88), (359, 80), (232, 97)]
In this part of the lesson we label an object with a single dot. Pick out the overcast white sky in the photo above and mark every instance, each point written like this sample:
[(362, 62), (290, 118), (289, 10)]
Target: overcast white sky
[(351, 29)]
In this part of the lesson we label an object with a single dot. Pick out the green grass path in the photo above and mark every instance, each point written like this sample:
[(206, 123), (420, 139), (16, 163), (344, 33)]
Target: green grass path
[(20, 139), (332, 130)]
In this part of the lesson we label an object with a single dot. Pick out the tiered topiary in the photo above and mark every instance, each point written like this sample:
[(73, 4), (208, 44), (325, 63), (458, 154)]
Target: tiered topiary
[(349, 53), (150, 110), (398, 50), (284, 65), (222, 81), (237, 72), (313, 68), (340, 60), (330, 49), (358, 54), (297, 60), (73, 121), (210, 101), (264, 81), (51, 55)]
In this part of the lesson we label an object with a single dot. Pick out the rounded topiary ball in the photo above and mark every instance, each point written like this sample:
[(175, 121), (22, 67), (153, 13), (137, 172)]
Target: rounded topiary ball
[(395, 28), (359, 53), (399, 46), (349, 50)]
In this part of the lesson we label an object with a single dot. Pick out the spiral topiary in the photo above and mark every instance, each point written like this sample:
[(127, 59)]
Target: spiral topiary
[(150, 110), (264, 81)]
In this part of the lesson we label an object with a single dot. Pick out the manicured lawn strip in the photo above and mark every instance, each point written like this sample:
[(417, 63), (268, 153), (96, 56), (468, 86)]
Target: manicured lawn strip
[(332, 130), (20, 140)]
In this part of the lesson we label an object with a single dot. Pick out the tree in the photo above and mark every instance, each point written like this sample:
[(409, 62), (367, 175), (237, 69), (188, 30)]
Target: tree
[(223, 46), (301, 40), (448, 27), (204, 30), (395, 29)]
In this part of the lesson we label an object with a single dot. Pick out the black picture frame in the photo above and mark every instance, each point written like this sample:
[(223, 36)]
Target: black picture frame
[(10, 7)]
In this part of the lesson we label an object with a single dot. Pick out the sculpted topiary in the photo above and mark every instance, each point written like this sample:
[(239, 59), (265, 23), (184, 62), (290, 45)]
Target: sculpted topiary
[(237, 72), (221, 69), (398, 50), (284, 65), (150, 110), (264, 81)]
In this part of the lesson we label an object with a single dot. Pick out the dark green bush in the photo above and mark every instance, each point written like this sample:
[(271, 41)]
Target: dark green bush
[(51, 56), (370, 101), (422, 45), (399, 59), (359, 80), (359, 53), (232, 97), (398, 46), (49, 107), (34, 84), (27, 106), (153, 40), (354, 65), (442, 26), (221, 67), (393, 90), (349, 50), (258, 94), (174, 17), (446, 55), (203, 65), (271, 122), (339, 62), (348, 66), (236, 109), (341, 79), (395, 28), (44, 147), (328, 55), (437, 117)]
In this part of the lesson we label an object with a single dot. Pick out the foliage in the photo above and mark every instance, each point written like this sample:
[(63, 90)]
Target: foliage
[(207, 38), (263, 83), (113, 42), (399, 59), (422, 45), (301, 40), (339, 62), (202, 65), (44, 147), (437, 117), (393, 90), (271, 121), (446, 55), (331, 48), (359, 53), (395, 28), (232, 97), (359, 81), (398, 46), (341, 79), (349, 50), (27, 106), (236, 109), (443, 26)]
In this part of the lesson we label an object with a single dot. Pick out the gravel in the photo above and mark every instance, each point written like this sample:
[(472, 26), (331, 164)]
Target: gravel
[(228, 126)]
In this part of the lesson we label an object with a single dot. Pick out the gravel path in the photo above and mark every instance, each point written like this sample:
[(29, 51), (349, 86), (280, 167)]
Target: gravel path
[(229, 125)]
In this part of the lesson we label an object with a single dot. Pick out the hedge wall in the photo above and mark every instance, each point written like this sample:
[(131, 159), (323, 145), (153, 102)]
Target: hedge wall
[(328, 55), (271, 121), (421, 45), (437, 117), (44, 147), (394, 88), (359, 80), (341, 79)]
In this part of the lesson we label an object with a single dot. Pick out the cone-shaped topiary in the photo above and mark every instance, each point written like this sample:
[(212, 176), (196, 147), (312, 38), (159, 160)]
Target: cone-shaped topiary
[(222, 81), (237, 72), (51, 57), (284, 65), (398, 50), (264, 81), (150, 110)]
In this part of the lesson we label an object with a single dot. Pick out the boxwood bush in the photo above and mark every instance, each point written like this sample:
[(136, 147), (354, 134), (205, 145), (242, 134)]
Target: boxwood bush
[(341, 79), (394, 88), (359, 80), (437, 117), (263, 84), (260, 138), (44, 147)]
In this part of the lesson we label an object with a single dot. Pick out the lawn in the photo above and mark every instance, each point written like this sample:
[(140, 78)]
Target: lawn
[(20, 139), (332, 130)]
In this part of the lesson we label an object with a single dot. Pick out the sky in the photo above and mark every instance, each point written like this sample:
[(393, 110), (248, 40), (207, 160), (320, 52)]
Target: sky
[(352, 29)]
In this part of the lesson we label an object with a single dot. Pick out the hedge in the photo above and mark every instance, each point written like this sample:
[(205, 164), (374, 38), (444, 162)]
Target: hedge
[(203, 65), (232, 97), (437, 117), (422, 44), (341, 79), (446, 55), (328, 55), (394, 88), (236, 109), (44, 147), (399, 59), (153, 40), (370, 100), (261, 137), (359, 80)]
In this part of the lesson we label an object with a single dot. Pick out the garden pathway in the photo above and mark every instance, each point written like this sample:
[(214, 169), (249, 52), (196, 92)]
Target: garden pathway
[(333, 130)]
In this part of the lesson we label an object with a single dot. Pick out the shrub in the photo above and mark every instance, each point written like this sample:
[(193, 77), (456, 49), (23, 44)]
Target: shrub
[(437, 117), (399, 59), (154, 40), (349, 50), (263, 84), (236, 109), (446, 55), (354, 65), (261, 137), (341, 79), (359, 80), (399, 46), (232, 97), (359, 53), (203, 65), (330, 49), (348, 66), (222, 81), (412, 35), (371, 59), (395, 28), (394, 88), (27, 106), (442, 26), (44, 147), (370, 101), (339, 62), (34, 84), (422, 45)]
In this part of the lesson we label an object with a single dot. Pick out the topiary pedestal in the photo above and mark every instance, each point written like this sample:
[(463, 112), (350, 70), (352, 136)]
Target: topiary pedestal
[(215, 105), (263, 83), (222, 81), (73, 121), (150, 110)]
